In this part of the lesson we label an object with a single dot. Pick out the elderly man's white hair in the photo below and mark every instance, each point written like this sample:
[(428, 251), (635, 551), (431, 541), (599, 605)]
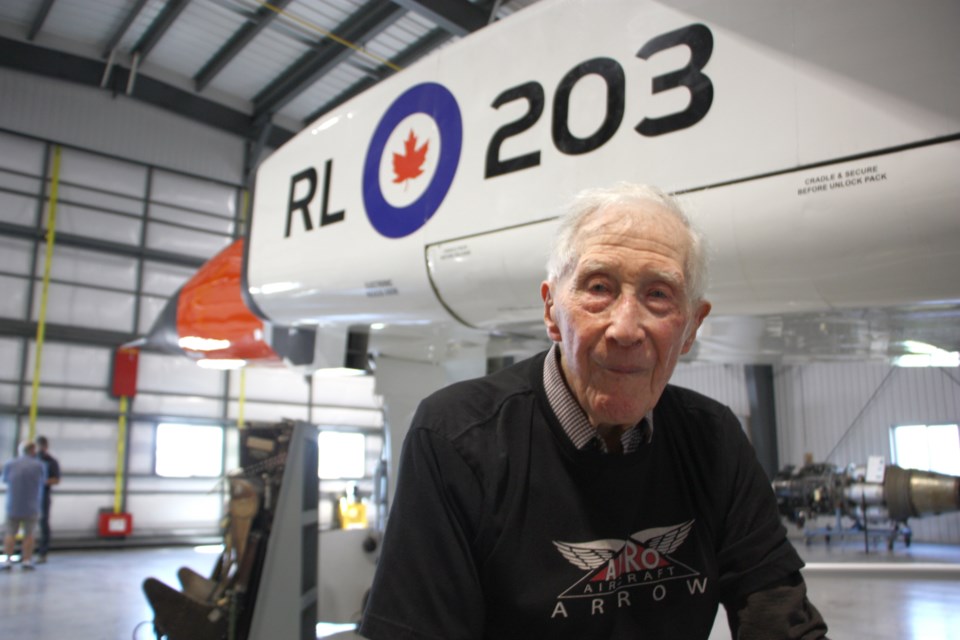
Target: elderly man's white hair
[(27, 446), (587, 203)]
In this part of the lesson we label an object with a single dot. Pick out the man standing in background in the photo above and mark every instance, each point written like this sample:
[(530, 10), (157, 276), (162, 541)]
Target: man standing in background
[(24, 476), (53, 477)]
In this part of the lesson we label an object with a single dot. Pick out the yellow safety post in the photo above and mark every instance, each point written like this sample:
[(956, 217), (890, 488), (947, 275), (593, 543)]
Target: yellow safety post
[(45, 291), (243, 397), (121, 456)]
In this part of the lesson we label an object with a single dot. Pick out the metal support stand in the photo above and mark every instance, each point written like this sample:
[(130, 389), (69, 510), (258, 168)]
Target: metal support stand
[(286, 601)]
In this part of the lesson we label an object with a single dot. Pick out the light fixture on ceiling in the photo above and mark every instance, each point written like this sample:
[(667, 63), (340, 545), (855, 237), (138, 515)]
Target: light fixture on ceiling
[(921, 354), (196, 343)]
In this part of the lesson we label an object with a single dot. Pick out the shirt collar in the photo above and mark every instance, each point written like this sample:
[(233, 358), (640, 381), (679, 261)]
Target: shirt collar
[(572, 418)]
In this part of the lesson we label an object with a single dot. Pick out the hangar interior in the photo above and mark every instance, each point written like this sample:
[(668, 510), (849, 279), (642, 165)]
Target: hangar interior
[(153, 153)]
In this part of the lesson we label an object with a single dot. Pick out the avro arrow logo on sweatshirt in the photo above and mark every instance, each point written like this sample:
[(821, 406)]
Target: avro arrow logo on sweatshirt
[(613, 566)]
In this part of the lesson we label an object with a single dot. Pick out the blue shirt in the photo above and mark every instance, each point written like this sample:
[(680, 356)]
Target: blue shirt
[(25, 477)]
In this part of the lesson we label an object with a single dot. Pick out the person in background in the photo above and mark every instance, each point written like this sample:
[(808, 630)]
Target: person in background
[(24, 477), (53, 478), (577, 494)]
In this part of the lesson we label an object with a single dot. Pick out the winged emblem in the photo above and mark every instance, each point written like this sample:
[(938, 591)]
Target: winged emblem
[(593, 554), (664, 539), (589, 555)]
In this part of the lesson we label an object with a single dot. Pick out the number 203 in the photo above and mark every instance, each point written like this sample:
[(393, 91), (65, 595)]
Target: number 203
[(696, 36)]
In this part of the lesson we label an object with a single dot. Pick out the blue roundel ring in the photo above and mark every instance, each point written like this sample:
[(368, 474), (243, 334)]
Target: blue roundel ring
[(437, 102)]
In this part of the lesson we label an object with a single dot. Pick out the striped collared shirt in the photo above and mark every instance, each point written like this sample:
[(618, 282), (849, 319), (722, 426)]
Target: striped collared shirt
[(573, 419)]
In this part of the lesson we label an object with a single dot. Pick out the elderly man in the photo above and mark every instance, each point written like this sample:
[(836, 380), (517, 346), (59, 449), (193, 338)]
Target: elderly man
[(578, 495), (24, 476)]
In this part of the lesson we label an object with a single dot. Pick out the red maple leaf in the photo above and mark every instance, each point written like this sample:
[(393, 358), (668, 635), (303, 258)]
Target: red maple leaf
[(410, 164)]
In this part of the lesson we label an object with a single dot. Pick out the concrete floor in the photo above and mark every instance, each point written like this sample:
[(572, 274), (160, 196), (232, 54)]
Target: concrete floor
[(910, 593)]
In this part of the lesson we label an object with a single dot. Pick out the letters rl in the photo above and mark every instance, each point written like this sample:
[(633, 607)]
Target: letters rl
[(303, 204)]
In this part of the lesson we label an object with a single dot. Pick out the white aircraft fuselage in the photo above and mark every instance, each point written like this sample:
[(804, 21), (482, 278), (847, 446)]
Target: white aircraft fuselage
[(816, 144)]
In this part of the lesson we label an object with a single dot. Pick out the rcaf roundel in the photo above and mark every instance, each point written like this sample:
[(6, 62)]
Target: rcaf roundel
[(412, 159)]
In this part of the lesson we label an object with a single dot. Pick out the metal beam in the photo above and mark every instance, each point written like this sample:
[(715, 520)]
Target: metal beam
[(104, 246), (39, 19), (240, 39), (160, 25), (65, 333), (459, 17), (121, 29), (65, 66), (763, 416), (408, 56), (363, 24)]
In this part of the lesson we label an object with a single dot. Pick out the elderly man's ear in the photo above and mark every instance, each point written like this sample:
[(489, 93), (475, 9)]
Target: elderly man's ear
[(703, 310), (553, 331)]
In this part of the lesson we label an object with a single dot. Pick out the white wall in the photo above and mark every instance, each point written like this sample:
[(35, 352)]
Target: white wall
[(117, 125)]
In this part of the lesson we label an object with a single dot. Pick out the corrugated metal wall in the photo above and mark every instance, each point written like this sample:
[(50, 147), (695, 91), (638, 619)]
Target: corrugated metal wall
[(116, 125), (722, 382)]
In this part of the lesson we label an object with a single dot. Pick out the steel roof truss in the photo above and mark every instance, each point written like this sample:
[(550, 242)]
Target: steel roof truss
[(363, 24)]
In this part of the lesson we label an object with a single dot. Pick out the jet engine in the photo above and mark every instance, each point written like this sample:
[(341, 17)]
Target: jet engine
[(883, 499)]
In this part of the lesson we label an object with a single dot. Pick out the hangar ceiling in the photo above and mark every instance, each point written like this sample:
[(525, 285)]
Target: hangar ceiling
[(261, 70)]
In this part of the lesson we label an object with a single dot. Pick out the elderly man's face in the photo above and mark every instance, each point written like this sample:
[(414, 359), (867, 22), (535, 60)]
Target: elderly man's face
[(621, 316)]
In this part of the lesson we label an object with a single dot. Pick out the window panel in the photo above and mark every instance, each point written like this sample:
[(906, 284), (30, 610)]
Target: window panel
[(77, 305), (141, 448), (944, 446), (18, 209), (10, 349), (8, 432), (162, 279), (177, 374), (150, 308), (83, 266), (268, 412), (194, 193), (181, 514), (348, 416), (927, 447), (178, 405), (271, 384), (341, 455), (90, 223), (24, 186), (353, 391), (161, 213), (82, 446), (117, 176), (233, 448), (8, 395), (185, 241), (189, 451), (13, 302), (15, 255), (21, 154), (108, 202), (71, 363), (54, 397)]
